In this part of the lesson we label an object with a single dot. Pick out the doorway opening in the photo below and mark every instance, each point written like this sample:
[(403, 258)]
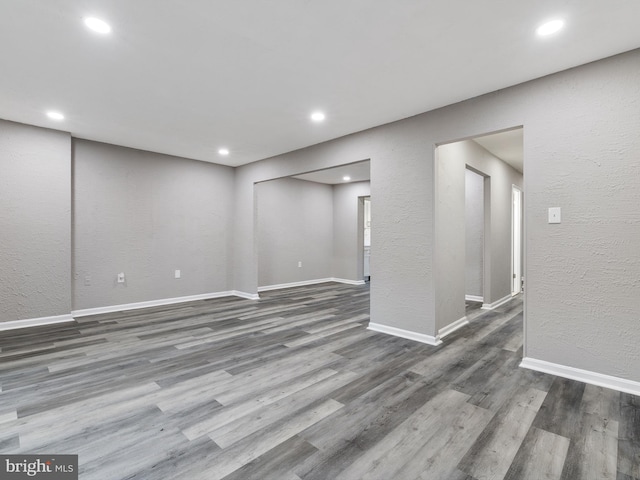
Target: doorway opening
[(308, 227), (478, 231)]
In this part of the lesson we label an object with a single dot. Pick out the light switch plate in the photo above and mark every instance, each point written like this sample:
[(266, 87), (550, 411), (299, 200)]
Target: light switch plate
[(554, 215)]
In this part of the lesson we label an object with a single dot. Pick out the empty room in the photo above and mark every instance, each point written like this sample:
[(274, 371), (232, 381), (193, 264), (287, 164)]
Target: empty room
[(320, 240)]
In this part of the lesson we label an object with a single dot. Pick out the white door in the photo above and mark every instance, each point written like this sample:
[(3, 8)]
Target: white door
[(367, 236), (516, 241)]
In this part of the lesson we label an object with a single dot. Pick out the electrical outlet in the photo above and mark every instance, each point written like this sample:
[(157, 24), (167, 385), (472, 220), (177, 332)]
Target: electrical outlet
[(299, 264), (177, 274), (121, 278)]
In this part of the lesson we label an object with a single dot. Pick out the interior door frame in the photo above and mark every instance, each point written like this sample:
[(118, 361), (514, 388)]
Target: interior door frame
[(517, 243), (361, 237)]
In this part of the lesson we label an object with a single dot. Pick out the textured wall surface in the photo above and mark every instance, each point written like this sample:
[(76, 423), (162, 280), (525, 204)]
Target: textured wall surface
[(449, 249), (583, 275), (402, 294), (35, 222), (474, 232), (147, 215), (295, 224), (450, 253), (348, 230), (581, 152)]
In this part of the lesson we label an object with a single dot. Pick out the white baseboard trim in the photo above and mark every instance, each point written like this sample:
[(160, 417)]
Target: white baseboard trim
[(452, 327), (190, 298), (348, 282), (303, 283), (497, 303), (398, 332), (473, 298), (34, 322), (586, 376), (248, 296), (152, 303)]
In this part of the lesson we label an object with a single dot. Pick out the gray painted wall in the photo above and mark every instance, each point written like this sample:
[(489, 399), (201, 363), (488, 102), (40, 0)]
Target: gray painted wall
[(402, 217), (348, 232), (474, 233), (581, 153), (295, 224), (450, 248), (310, 222), (35, 222), (146, 215)]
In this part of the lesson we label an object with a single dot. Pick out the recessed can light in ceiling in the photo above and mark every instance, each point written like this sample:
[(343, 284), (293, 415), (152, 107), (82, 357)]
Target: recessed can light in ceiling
[(223, 151), (317, 116), (346, 178), (55, 115), (549, 28), (97, 25)]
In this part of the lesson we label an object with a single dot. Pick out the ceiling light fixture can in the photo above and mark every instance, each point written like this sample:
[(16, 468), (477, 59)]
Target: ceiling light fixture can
[(223, 151), (317, 116), (55, 115), (550, 27), (97, 25)]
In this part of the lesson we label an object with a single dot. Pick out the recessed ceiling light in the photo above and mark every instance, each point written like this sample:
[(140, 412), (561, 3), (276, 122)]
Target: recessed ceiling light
[(346, 178), (317, 116), (223, 151), (550, 28), (97, 25), (55, 115)]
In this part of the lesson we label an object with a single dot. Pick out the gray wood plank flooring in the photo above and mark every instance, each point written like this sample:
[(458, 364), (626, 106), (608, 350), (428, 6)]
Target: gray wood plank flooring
[(294, 387)]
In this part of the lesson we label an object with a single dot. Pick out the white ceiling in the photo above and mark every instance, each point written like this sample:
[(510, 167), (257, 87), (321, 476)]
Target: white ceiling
[(189, 77), (507, 146), (357, 172)]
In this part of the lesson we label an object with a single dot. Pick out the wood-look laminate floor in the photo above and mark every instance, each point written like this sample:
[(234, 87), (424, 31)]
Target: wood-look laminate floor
[(294, 387)]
